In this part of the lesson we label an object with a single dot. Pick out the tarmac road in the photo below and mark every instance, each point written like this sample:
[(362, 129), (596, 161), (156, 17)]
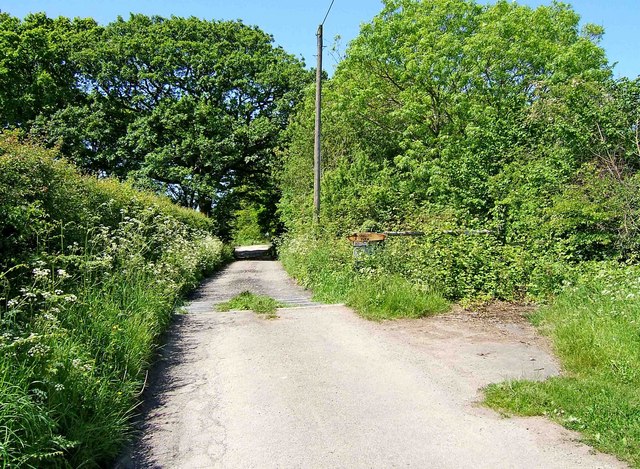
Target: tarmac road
[(319, 387)]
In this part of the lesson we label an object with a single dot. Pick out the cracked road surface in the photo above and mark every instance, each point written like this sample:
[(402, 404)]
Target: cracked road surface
[(319, 387)]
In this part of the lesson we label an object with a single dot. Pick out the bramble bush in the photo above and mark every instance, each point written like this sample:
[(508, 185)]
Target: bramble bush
[(92, 271)]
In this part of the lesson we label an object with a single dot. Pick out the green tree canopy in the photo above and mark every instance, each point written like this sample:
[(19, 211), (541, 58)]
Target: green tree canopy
[(186, 106), (37, 73), (207, 100), (435, 98)]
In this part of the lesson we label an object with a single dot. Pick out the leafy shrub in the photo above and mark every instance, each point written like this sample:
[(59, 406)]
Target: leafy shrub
[(326, 267)]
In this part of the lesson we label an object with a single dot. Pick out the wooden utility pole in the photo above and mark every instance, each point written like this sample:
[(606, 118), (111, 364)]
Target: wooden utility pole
[(317, 157)]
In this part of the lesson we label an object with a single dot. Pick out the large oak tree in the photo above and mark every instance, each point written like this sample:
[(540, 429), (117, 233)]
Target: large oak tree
[(189, 107), (207, 99)]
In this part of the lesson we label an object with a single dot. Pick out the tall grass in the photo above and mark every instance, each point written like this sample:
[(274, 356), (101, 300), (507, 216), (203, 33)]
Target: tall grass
[(328, 267), (595, 328), (392, 296), (93, 270)]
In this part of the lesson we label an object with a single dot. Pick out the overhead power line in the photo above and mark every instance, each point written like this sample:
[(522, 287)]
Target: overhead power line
[(328, 11)]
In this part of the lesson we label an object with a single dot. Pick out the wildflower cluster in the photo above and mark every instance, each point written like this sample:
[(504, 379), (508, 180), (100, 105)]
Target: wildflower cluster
[(85, 291)]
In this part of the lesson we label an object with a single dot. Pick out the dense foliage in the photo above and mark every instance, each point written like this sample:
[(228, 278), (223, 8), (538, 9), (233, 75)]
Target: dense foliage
[(448, 116), (90, 273), (37, 74), (186, 106)]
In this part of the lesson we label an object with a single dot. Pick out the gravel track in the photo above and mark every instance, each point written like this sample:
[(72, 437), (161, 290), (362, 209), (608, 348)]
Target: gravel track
[(320, 387)]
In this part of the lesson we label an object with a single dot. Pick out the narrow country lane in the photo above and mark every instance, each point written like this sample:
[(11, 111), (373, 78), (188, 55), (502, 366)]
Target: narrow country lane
[(319, 387)]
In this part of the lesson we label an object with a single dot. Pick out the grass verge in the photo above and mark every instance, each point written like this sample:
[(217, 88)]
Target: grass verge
[(393, 297), (91, 271), (329, 269), (595, 328), (247, 301)]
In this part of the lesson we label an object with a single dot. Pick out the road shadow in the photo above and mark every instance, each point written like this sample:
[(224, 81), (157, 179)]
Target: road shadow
[(162, 381)]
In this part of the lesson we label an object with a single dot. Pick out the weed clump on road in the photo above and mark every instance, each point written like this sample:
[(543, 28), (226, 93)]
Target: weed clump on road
[(247, 301)]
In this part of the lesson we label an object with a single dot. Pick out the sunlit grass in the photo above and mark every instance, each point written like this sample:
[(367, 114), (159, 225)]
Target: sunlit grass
[(393, 297), (595, 328), (247, 301), (330, 271)]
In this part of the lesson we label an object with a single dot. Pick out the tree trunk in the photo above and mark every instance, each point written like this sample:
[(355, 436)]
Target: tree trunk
[(205, 205)]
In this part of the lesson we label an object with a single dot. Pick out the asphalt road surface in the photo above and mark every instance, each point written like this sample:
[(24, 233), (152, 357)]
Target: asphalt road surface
[(319, 387)]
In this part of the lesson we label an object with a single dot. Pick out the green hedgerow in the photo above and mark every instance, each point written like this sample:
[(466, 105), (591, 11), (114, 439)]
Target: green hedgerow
[(91, 272)]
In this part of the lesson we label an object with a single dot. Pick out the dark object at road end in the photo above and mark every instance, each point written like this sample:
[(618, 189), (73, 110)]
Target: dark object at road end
[(259, 252)]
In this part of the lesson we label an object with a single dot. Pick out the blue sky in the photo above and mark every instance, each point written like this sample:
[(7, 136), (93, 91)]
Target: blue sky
[(293, 23)]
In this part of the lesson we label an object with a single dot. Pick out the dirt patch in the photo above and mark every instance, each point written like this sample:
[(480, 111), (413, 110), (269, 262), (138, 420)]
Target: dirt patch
[(495, 321), (495, 312), (510, 321), (490, 344)]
